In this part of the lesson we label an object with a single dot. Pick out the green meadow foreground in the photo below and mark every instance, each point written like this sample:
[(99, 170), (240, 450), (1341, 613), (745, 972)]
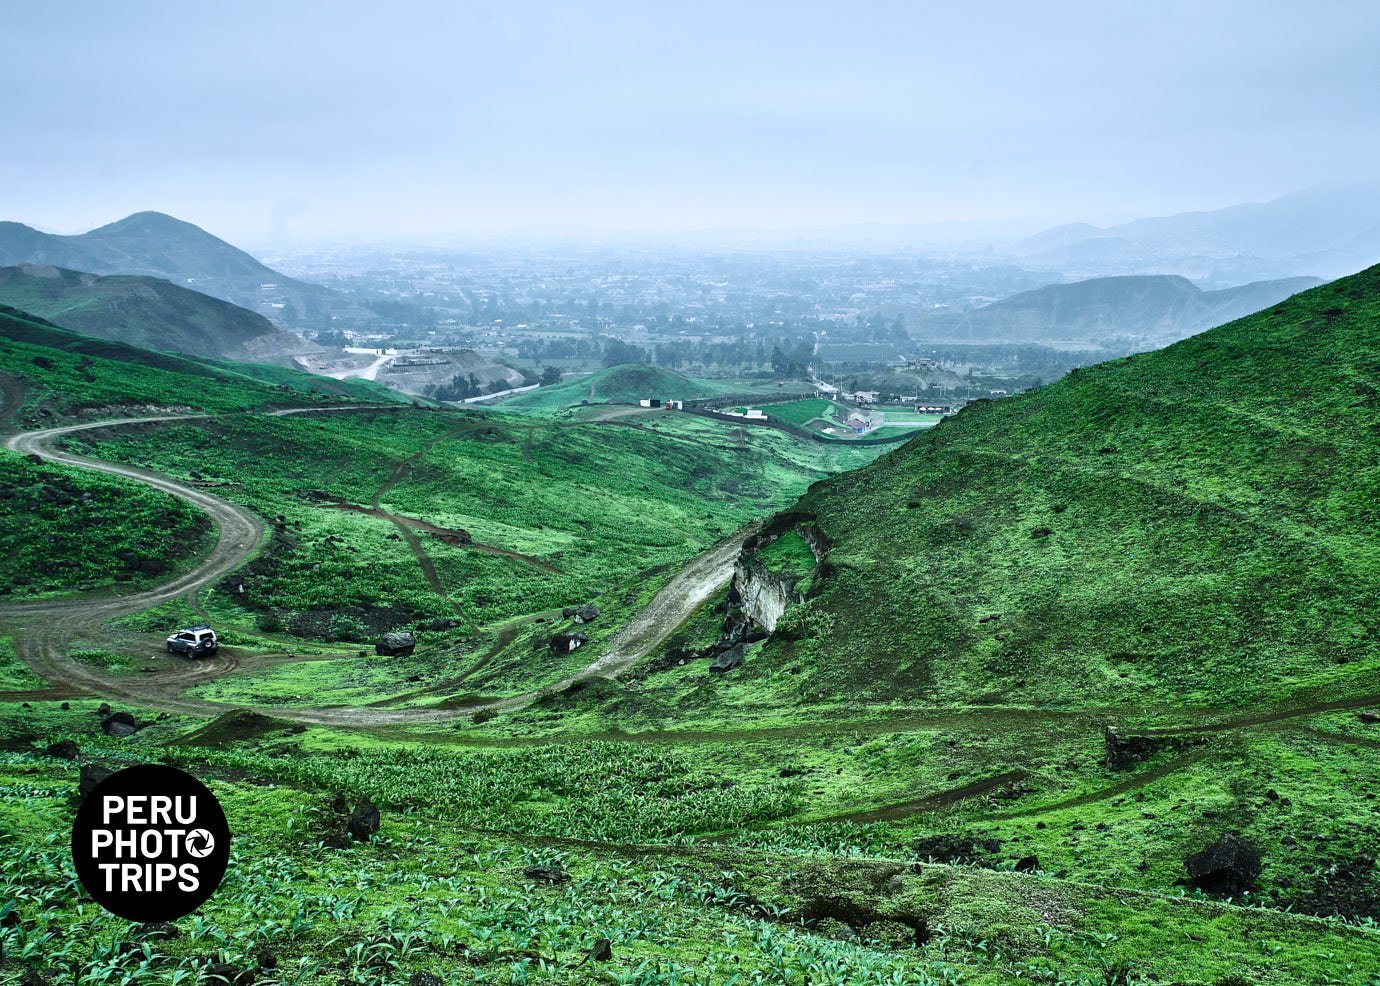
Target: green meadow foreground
[(984, 691)]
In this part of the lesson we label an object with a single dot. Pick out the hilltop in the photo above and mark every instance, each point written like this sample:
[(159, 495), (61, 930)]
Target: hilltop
[(626, 383), (152, 244), (1155, 308), (147, 312)]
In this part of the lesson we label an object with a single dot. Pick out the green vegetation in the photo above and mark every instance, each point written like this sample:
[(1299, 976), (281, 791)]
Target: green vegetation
[(63, 374), (1185, 526), (67, 528), (624, 384), (1179, 546), (805, 412)]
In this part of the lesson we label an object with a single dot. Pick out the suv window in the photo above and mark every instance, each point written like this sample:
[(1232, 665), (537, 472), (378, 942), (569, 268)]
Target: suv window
[(185, 636)]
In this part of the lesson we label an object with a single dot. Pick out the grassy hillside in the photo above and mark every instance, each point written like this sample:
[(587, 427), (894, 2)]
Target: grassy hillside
[(909, 781), (146, 312), (625, 384), (1191, 525), (63, 374)]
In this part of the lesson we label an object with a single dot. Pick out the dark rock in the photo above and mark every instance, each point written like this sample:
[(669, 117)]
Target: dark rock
[(1369, 717), (91, 775), (395, 644), (587, 613), (268, 961), (1122, 751), (65, 706), (728, 660), (32, 977), (1227, 868), (549, 873), (438, 626), (1028, 864), (425, 979), (228, 972), (64, 750), (364, 820), (564, 643), (602, 951), (954, 849), (119, 724), (103, 710)]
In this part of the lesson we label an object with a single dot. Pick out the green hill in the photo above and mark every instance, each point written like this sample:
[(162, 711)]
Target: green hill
[(147, 312), (624, 384), (1193, 525), (61, 373), (152, 244)]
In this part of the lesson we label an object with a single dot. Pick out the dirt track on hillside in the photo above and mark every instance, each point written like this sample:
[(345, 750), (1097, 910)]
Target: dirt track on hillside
[(45, 630)]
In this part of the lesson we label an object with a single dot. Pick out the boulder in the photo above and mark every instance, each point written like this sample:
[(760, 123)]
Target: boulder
[(395, 644), (91, 775), (587, 613), (602, 951), (1028, 864), (119, 724), (1226, 868), (564, 643), (64, 750), (364, 820), (727, 660), (1122, 751), (1369, 717)]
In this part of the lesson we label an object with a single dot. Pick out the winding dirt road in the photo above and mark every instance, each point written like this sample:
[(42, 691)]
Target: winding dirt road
[(45, 630)]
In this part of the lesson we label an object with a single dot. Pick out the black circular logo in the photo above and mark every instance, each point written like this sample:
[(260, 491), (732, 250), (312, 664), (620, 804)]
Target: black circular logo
[(150, 843)]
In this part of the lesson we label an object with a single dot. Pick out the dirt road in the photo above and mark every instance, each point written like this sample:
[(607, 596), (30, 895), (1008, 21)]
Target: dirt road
[(44, 630)]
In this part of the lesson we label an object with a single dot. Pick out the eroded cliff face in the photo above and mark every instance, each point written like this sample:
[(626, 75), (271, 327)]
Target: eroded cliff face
[(762, 593)]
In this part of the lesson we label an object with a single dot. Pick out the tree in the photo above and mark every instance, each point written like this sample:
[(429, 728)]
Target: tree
[(550, 375)]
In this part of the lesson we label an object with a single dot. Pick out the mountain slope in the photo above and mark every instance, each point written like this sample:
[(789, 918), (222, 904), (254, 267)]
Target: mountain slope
[(1314, 231), (156, 245), (147, 312), (1188, 526), (1155, 307), (56, 374)]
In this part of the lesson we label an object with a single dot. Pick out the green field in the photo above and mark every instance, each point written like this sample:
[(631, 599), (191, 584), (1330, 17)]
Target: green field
[(626, 384)]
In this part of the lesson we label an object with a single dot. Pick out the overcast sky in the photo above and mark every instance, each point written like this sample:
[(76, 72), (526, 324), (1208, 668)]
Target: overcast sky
[(263, 121)]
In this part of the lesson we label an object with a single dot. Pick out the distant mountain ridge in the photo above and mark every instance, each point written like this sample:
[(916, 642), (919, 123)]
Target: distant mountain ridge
[(1328, 231), (1157, 308), (156, 245), (149, 313)]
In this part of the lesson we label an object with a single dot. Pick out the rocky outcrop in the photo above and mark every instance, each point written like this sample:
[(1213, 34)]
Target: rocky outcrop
[(764, 594), (395, 644), (564, 643), (1226, 868)]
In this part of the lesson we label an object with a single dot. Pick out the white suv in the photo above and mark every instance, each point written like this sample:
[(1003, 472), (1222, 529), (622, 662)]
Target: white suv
[(193, 641)]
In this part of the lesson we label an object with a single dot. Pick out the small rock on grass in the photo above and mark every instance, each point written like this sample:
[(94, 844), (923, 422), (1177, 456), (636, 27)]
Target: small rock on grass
[(550, 873)]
